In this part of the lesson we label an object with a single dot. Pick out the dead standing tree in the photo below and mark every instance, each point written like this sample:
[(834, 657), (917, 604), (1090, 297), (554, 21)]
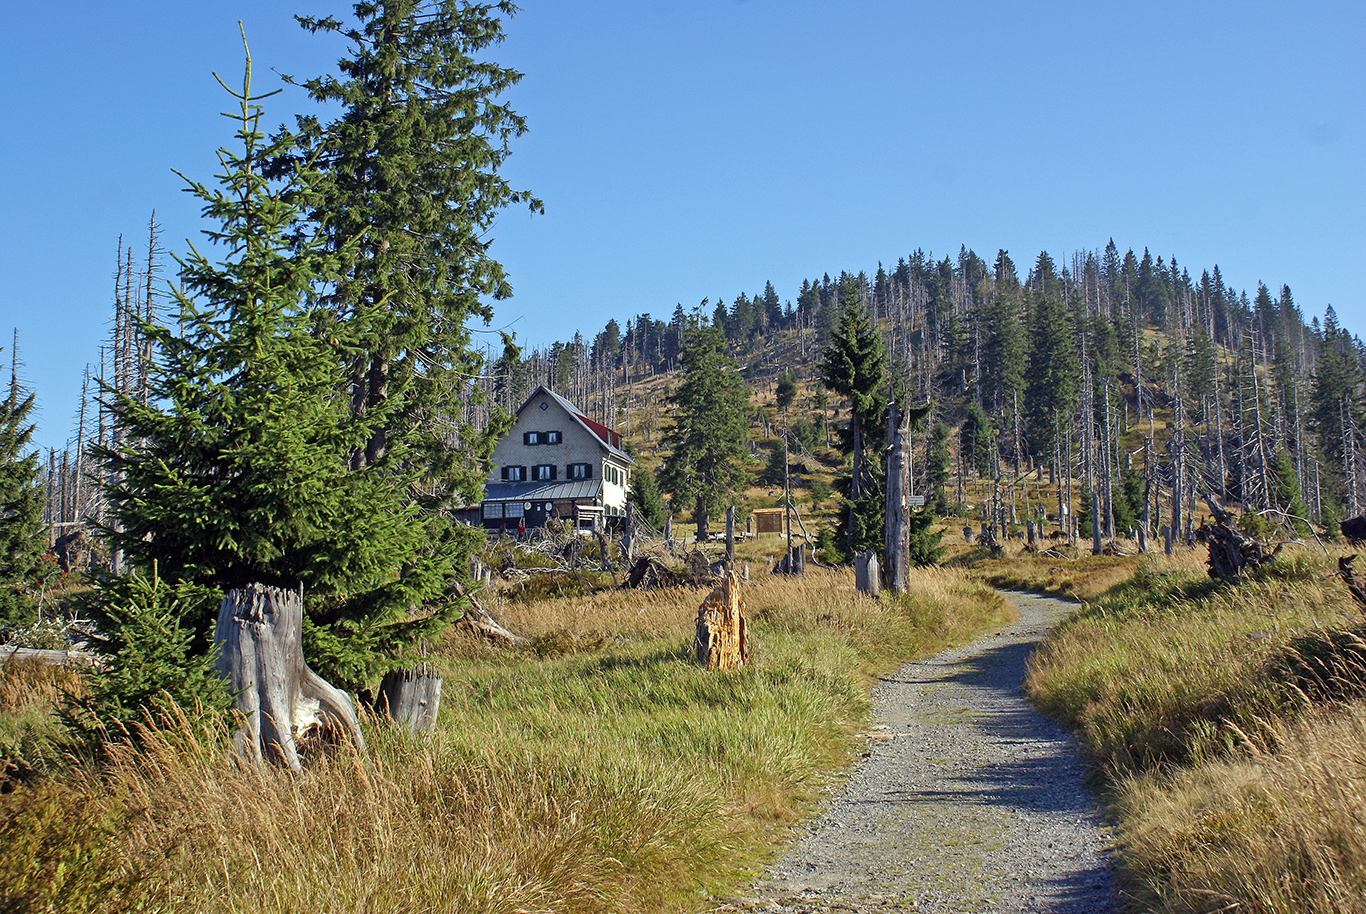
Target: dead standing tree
[(897, 536)]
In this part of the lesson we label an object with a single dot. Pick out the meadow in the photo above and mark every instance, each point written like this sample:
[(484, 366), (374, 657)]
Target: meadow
[(597, 770)]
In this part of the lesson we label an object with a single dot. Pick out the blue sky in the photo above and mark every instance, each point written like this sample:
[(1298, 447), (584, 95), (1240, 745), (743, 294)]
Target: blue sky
[(698, 149)]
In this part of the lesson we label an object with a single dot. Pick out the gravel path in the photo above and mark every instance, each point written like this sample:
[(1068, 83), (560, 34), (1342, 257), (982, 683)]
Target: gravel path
[(968, 800)]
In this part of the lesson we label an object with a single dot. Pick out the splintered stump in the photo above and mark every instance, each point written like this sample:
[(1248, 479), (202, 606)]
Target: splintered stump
[(411, 697), (722, 641), (260, 652)]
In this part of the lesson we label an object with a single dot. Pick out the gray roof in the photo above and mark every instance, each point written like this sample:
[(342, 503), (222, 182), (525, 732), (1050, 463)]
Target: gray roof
[(564, 490), (582, 420)]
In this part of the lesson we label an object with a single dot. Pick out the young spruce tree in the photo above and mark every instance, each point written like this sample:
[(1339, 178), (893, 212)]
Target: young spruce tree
[(236, 468), (23, 537)]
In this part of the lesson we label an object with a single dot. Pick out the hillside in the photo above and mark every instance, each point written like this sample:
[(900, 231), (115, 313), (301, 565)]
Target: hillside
[(1117, 373)]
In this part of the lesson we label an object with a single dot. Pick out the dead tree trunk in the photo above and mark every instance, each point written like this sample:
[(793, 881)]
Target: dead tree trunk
[(730, 536), (722, 639), (866, 577), (897, 545), (260, 652), (411, 697)]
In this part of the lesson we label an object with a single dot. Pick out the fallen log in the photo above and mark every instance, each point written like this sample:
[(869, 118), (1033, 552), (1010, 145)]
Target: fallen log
[(39, 655), (477, 621)]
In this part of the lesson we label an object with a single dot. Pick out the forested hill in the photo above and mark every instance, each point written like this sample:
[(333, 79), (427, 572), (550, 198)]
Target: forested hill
[(1079, 364)]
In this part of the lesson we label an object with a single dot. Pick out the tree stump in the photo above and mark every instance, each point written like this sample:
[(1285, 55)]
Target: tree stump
[(866, 576), (722, 640), (260, 652), (411, 697)]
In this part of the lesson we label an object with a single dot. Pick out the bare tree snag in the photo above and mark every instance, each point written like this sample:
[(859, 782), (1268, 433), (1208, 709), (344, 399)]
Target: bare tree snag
[(260, 652), (896, 534), (866, 577), (411, 697), (730, 536), (722, 640)]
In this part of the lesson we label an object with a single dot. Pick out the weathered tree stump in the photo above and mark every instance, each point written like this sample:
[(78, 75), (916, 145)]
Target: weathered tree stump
[(794, 562), (866, 575), (411, 697), (722, 640), (260, 652), (1230, 551)]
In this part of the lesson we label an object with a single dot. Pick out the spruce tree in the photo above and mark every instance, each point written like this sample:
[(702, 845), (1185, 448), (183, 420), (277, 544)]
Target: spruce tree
[(236, 469), (854, 365), (23, 536), (408, 189), (646, 498), (706, 445)]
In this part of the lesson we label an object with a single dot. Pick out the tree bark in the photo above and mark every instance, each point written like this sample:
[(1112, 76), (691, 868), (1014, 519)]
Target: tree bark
[(260, 652)]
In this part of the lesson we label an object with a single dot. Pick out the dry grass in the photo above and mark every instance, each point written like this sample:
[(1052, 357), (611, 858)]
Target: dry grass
[(1276, 828), (1231, 723), (609, 775)]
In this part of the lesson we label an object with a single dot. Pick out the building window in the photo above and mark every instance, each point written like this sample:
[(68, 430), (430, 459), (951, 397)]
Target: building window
[(531, 438), (544, 472), (514, 474), (514, 509), (493, 510), (579, 471), (552, 437)]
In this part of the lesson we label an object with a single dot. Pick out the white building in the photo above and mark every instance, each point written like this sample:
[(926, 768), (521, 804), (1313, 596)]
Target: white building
[(555, 462)]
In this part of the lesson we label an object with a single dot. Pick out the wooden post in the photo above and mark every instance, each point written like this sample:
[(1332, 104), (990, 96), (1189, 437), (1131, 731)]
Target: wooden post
[(866, 577), (411, 697), (722, 638), (260, 652)]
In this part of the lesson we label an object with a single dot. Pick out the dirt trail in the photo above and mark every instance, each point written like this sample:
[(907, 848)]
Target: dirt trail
[(969, 800)]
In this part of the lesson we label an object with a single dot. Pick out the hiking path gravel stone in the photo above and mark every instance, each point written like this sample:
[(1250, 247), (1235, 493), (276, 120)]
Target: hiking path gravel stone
[(968, 800)]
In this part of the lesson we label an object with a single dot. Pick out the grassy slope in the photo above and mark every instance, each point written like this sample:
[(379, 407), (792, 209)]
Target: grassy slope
[(603, 773)]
